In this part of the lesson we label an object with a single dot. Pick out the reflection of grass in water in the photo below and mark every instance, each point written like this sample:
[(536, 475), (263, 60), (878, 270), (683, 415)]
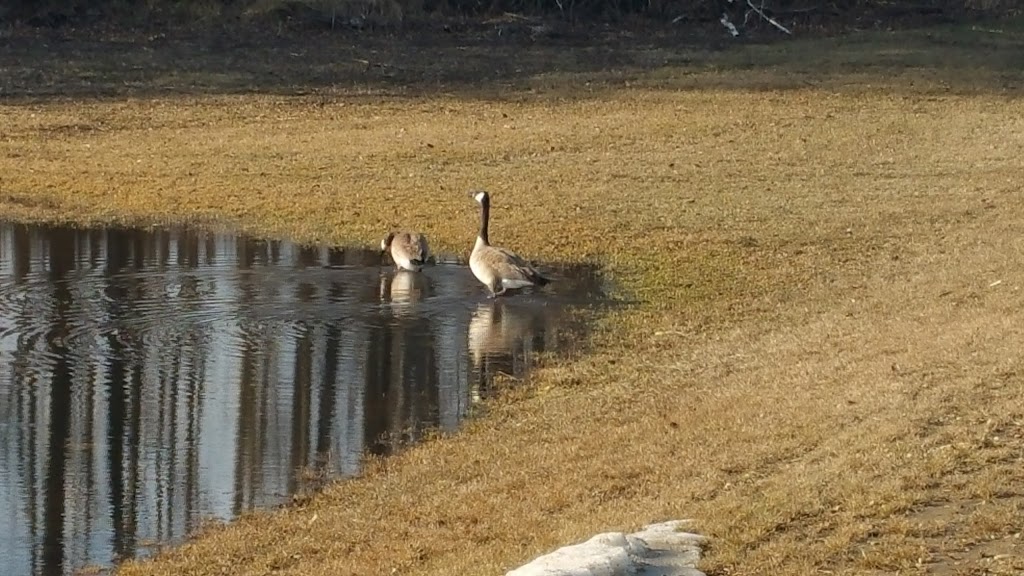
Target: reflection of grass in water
[(818, 355), (313, 477)]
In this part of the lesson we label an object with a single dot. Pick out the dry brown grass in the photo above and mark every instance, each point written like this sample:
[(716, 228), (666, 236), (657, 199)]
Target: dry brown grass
[(823, 372)]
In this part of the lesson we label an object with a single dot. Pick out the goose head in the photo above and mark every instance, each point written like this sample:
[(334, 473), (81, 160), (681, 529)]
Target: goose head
[(386, 242)]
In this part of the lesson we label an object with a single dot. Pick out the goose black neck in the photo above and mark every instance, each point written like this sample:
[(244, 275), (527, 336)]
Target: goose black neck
[(485, 215)]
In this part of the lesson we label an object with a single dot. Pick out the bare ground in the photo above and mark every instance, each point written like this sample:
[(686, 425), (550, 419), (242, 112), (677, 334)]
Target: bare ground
[(825, 367)]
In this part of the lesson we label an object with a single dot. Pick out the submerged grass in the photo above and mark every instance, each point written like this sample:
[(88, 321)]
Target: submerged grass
[(824, 370)]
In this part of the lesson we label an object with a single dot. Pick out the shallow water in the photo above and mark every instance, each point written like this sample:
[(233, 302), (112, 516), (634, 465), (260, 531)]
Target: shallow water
[(150, 380)]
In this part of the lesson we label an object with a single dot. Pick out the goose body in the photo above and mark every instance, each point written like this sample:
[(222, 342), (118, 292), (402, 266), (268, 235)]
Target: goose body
[(408, 249), (498, 268)]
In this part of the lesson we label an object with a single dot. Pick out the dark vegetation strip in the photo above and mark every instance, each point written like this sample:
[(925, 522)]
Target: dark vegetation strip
[(396, 14)]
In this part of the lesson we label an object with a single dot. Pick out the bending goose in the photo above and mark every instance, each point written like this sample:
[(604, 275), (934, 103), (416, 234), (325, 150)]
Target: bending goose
[(497, 268), (408, 249)]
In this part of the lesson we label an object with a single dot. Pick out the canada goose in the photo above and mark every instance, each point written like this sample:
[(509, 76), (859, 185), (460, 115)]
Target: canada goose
[(408, 249), (497, 268)]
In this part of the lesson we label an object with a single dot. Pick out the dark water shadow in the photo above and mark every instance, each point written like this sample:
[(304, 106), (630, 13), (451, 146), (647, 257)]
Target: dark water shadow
[(150, 380), (489, 62)]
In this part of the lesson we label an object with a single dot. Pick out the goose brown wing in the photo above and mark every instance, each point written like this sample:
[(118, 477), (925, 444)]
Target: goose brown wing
[(510, 265), (421, 248)]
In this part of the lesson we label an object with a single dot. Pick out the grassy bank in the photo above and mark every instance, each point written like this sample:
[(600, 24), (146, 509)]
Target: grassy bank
[(825, 368)]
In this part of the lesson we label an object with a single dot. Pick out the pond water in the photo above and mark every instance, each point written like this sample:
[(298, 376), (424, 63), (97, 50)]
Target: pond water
[(153, 379)]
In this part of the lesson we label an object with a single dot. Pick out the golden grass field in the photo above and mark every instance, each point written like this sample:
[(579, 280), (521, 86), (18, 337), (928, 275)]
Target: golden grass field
[(825, 237)]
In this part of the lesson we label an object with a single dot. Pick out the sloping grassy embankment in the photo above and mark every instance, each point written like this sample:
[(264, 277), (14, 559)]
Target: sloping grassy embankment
[(825, 371)]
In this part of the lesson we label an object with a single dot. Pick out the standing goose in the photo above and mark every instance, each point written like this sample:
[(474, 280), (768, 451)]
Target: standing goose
[(497, 268), (408, 249)]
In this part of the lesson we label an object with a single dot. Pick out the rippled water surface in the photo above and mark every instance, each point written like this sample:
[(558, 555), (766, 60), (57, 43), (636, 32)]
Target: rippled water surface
[(150, 380)]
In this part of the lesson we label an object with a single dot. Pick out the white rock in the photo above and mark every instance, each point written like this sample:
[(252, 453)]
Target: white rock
[(657, 550)]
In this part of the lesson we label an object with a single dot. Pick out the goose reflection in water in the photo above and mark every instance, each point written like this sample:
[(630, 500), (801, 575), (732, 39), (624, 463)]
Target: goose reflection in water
[(402, 290), (499, 327)]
